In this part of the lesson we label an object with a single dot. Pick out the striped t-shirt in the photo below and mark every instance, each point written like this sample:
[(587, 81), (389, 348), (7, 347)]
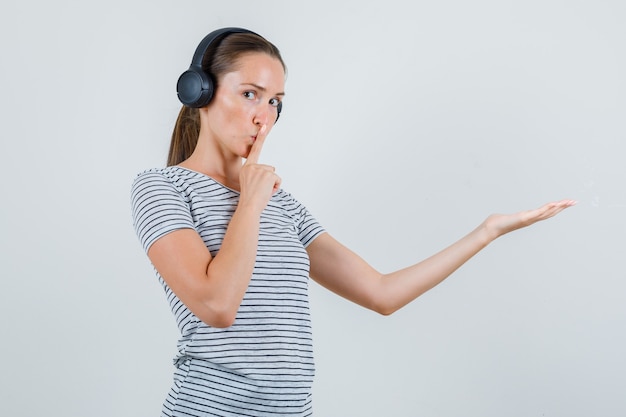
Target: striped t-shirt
[(263, 364)]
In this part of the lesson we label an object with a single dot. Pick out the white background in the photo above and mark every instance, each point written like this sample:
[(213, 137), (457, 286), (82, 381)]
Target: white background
[(405, 124)]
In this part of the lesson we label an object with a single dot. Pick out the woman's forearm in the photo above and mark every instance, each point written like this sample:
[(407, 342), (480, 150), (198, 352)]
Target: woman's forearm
[(229, 272), (403, 286)]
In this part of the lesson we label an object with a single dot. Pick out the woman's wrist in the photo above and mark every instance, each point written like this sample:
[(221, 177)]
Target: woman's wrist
[(489, 230)]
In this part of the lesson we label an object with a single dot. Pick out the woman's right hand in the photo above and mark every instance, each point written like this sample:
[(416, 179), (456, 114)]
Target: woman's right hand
[(258, 182)]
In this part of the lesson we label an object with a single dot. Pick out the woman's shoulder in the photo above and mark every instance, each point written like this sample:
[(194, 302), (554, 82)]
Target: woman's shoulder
[(151, 172), (154, 181), (155, 172), (170, 174)]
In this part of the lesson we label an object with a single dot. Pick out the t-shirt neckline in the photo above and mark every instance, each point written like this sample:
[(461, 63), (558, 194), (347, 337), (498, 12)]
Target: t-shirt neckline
[(198, 173)]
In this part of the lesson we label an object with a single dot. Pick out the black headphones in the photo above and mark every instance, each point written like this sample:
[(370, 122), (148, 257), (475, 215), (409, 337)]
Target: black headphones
[(195, 87)]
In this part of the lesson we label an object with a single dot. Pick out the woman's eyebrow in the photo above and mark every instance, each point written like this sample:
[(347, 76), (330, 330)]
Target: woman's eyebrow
[(258, 87)]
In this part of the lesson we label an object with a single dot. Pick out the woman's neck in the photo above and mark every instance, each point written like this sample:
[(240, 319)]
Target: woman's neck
[(215, 162)]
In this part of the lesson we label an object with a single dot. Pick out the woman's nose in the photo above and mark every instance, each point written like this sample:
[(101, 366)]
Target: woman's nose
[(261, 117)]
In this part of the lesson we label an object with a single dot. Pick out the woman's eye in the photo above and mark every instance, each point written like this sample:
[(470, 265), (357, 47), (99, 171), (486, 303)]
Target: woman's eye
[(250, 95), (274, 102)]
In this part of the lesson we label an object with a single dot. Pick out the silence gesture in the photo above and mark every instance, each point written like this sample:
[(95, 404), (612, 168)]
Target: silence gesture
[(258, 182)]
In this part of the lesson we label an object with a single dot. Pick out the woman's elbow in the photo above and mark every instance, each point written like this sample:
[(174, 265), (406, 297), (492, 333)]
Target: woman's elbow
[(385, 310), (386, 306), (220, 322), (218, 317), (383, 307)]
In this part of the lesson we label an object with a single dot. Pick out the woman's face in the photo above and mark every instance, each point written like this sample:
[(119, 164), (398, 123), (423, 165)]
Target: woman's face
[(245, 100)]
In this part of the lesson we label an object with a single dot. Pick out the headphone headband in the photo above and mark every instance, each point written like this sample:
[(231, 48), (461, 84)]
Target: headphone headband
[(208, 40)]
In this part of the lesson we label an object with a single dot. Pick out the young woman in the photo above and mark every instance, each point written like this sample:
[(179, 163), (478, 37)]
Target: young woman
[(234, 251)]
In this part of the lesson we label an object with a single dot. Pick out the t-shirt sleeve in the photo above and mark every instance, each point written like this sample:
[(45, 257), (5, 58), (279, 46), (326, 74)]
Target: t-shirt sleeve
[(307, 225), (158, 208)]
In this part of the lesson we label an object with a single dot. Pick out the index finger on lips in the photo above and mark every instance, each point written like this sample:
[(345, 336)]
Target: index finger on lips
[(255, 151)]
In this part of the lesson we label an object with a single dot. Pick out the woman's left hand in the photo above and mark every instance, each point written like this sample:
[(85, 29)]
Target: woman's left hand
[(500, 224)]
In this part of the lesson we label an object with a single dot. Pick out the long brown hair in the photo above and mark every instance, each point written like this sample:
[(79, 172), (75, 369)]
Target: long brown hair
[(218, 61)]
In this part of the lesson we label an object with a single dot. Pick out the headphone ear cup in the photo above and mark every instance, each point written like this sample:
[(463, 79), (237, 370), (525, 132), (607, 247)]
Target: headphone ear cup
[(194, 88), (279, 109)]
